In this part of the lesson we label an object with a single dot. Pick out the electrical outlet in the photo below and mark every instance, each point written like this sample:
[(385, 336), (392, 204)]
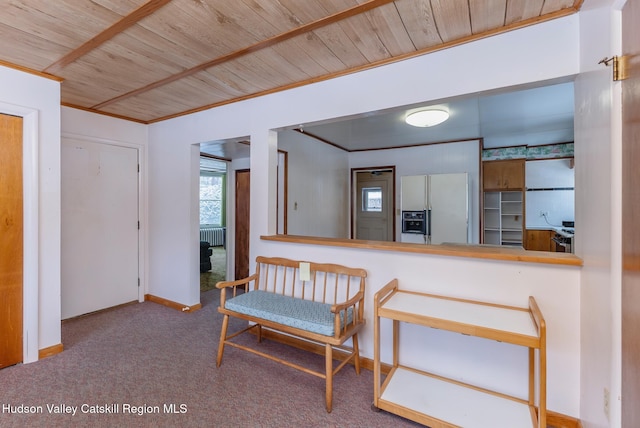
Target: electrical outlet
[(606, 397), (544, 213)]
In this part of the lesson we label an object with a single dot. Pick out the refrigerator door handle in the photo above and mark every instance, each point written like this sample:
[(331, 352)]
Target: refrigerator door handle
[(428, 226)]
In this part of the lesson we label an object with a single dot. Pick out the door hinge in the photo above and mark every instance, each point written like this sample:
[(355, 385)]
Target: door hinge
[(138, 282), (620, 64), (138, 224), (138, 167)]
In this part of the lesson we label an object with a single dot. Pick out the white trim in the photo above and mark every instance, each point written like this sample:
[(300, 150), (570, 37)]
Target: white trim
[(31, 259)]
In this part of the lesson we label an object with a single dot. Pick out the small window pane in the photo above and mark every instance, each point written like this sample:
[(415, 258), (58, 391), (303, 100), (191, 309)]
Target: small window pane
[(372, 199), (211, 199)]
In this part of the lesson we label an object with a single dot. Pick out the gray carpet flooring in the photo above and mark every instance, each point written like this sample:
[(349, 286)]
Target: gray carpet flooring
[(145, 365), (218, 270)]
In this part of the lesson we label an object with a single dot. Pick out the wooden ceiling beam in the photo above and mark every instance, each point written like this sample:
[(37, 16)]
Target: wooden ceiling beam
[(133, 18), (306, 28)]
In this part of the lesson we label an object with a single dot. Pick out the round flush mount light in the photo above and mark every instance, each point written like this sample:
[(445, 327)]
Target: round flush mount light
[(425, 118)]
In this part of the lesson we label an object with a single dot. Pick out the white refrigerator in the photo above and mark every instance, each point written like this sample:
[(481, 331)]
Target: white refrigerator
[(444, 199)]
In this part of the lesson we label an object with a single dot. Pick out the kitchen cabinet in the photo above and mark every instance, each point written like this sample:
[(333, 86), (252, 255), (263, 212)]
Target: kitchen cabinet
[(503, 174), (540, 240), (503, 215), (439, 401)]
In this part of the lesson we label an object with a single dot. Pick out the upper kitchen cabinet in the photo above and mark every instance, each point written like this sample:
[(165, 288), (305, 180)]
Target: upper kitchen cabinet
[(503, 174)]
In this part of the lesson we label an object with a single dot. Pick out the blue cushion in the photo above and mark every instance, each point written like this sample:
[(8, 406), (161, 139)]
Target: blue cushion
[(303, 314)]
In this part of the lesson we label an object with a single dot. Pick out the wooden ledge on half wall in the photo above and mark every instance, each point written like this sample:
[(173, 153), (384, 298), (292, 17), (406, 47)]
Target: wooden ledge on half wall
[(493, 252)]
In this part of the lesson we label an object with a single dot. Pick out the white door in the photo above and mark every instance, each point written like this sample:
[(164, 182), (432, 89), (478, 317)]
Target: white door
[(374, 210), (449, 204), (99, 226)]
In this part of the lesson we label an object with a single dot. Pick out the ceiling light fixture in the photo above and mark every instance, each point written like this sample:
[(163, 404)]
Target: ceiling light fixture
[(425, 118)]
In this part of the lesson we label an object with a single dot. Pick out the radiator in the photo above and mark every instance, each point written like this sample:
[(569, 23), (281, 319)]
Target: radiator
[(213, 235)]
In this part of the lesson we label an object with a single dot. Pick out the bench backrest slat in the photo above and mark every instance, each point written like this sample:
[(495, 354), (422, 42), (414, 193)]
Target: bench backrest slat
[(328, 283)]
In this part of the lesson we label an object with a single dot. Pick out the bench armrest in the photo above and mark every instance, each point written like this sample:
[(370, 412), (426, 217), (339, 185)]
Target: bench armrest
[(223, 285), (351, 302)]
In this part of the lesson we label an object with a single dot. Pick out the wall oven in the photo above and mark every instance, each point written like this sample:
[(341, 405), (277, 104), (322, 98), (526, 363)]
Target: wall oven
[(414, 222)]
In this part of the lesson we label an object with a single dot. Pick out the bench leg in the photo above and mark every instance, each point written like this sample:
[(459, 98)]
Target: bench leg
[(356, 353), (329, 376), (223, 337)]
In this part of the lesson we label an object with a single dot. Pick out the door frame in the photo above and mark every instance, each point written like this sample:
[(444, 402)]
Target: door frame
[(31, 190), (354, 196)]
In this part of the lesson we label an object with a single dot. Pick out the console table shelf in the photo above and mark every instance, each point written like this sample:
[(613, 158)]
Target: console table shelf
[(437, 401)]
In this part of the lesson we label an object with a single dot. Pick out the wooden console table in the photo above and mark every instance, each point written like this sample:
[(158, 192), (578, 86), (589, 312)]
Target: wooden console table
[(441, 402)]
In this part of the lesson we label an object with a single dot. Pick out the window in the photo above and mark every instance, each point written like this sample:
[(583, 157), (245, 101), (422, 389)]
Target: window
[(372, 199), (212, 194)]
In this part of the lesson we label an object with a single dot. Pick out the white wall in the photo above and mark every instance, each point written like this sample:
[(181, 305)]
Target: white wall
[(539, 53), (96, 127), (37, 100), (559, 204), (318, 187)]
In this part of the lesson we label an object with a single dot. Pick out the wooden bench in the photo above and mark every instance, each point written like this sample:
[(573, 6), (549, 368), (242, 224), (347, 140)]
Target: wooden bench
[(326, 308)]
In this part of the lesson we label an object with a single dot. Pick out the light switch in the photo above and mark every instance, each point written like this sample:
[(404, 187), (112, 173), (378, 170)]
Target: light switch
[(305, 271)]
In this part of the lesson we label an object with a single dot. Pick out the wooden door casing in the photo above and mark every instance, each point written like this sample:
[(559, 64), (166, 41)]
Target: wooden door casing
[(11, 241), (243, 196)]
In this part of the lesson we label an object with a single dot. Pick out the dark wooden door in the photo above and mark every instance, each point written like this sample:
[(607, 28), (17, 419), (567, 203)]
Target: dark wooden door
[(243, 197), (631, 216), (11, 240)]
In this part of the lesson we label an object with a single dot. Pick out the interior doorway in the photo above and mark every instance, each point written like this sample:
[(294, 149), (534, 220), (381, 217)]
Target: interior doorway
[(374, 196), (213, 221), (11, 241)]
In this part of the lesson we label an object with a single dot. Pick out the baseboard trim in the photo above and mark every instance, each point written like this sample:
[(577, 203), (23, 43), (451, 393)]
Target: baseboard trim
[(50, 351), (170, 304), (554, 419)]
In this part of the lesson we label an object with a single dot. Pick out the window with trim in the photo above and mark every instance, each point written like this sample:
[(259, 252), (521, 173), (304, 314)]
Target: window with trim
[(212, 196)]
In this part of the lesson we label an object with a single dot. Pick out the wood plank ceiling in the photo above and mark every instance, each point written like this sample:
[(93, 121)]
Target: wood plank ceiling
[(150, 60)]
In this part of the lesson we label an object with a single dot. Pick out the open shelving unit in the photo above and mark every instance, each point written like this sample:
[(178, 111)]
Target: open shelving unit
[(504, 218), (440, 402)]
